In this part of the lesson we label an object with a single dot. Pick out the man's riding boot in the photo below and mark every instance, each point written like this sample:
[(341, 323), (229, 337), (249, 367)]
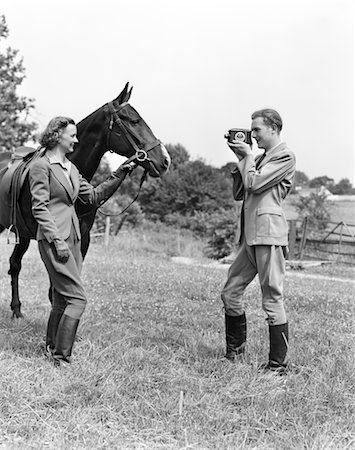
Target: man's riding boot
[(236, 335), (65, 338), (278, 357), (52, 328)]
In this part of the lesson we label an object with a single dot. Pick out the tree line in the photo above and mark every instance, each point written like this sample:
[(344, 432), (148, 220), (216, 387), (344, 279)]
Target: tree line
[(193, 195)]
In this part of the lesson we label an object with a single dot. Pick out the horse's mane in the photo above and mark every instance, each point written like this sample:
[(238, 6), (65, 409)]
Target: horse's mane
[(88, 120)]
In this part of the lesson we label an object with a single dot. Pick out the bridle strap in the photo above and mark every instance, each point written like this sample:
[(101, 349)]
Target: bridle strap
[(141, 150), (141, 154)]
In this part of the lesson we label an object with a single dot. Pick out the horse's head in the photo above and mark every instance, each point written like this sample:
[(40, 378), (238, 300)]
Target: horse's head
[(128, 135)]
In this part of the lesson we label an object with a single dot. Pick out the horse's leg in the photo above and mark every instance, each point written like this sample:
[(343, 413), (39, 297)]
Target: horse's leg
[(86, 223), (15, 268)]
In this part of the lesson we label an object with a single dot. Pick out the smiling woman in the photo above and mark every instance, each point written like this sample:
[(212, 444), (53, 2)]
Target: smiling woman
[(55, 184)]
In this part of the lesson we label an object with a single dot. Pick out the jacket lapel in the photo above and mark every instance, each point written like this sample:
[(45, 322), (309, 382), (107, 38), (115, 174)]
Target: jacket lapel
[(74, 177), (270, 154), (57, 171)]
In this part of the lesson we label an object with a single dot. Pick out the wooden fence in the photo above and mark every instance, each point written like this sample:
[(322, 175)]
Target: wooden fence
[(329, 241)]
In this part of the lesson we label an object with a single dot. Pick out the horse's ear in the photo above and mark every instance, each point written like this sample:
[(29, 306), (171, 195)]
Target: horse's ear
[(129, 94), (125, 94)]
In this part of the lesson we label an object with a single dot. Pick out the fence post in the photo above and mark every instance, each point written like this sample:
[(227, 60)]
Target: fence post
[(303, 237), (178, 241), (107, 230), (340, 238), (292, 239)]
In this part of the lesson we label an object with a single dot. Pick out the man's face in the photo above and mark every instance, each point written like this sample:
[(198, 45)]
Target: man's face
[(263, 134)]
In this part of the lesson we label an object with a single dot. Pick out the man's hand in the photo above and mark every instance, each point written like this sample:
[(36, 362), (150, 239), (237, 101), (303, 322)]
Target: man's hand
[(61, 250), (240, 148)]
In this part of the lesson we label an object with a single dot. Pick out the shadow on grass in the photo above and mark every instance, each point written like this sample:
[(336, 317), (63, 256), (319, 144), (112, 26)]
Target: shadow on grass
[(22, 337)]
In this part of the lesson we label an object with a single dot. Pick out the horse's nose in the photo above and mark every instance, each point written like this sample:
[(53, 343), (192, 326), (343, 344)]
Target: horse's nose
[(167, 162), (167, 159)]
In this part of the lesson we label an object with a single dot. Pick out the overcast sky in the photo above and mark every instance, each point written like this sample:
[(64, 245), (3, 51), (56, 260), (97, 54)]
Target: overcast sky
[(198, 67)]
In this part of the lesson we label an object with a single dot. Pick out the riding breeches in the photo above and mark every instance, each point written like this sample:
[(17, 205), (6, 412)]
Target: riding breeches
[(269, 262), (68, 290)]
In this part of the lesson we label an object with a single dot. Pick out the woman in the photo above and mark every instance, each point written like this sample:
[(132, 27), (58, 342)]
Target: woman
[(55, 184)]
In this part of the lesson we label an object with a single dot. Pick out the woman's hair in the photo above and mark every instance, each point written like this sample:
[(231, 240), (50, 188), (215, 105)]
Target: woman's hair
[(51, 135), (271, 118)]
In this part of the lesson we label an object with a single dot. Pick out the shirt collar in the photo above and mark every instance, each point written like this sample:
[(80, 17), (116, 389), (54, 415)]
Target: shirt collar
[(273, 148), (53, 159)]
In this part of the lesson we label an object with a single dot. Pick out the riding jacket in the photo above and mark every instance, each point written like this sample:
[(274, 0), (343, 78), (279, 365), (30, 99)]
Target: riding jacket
[(54, 190), (263, 221)]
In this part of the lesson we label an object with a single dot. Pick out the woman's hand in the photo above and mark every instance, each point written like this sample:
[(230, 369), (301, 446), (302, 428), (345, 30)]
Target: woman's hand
[(62, 250)]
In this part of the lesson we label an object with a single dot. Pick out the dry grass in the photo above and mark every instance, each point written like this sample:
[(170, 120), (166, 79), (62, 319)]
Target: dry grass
[(148, 372)]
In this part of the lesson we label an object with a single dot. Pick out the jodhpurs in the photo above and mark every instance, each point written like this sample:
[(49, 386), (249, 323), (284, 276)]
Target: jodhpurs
[(68, 290), (269, 262)]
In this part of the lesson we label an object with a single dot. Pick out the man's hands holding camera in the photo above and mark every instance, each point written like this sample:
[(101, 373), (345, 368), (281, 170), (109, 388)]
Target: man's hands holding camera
[(239, 148)]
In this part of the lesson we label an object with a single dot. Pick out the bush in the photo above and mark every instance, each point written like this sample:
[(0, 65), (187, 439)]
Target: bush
[(222, 234), (314, 207)]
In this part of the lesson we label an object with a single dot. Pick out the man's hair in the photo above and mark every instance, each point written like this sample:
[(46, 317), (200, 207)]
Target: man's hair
[(271, 118), (51, 135)]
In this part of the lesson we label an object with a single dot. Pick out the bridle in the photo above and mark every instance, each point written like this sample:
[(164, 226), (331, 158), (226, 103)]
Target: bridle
[(140, 148)]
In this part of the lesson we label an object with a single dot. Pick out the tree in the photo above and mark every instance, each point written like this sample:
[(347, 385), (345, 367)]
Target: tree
[(344, 187), (16, 129), (301, 179), (321, 181), (228, 168), (314, 207), (190, 188), (179, 155)]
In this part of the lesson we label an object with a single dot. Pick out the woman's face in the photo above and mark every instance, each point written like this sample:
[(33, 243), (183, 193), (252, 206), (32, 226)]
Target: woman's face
[(68, 138)]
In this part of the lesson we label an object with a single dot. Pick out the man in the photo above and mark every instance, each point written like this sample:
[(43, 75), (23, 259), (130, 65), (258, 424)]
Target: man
[(262, 183)]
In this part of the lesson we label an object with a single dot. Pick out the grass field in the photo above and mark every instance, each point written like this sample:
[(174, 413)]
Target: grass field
[(148, 372)]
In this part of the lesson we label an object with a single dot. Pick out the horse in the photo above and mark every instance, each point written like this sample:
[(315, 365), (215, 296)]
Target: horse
[(116, 127)]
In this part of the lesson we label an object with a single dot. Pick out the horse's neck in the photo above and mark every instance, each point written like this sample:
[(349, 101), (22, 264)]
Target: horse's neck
[(92, 145)]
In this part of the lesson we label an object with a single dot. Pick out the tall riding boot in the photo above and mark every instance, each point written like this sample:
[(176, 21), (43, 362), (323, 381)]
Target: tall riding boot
[(52, 327), (236, 335), (65, 338), (278, 357)]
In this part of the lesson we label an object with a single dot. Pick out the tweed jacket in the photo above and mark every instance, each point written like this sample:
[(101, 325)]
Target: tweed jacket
[(53, 198), (263, 221)]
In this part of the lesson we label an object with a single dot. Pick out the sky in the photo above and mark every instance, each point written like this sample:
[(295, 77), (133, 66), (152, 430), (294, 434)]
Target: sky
[(198, 68)]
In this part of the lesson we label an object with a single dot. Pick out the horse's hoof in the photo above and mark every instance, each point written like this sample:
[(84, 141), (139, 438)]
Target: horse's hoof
[(17, 314)]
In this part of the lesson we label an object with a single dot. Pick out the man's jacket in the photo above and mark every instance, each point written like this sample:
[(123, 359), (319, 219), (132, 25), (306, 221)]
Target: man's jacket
[(263, 220)]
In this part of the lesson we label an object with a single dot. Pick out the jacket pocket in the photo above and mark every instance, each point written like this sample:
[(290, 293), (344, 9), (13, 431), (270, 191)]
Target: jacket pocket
[(270, 222)]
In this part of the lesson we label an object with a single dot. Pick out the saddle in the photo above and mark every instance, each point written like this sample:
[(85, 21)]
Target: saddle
[(14, 168)]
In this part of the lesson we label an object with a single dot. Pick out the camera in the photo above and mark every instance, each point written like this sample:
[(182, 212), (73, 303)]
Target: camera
[(239, 134)]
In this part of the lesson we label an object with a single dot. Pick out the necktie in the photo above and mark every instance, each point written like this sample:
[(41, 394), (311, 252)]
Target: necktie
[(258, 164)]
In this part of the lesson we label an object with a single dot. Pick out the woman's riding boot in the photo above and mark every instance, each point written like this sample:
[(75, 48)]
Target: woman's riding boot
[(236, 335), (278, 357), (65, 338), (52, 327)]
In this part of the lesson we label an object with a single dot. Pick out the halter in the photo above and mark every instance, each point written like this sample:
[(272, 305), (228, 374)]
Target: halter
[(141, 151)]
